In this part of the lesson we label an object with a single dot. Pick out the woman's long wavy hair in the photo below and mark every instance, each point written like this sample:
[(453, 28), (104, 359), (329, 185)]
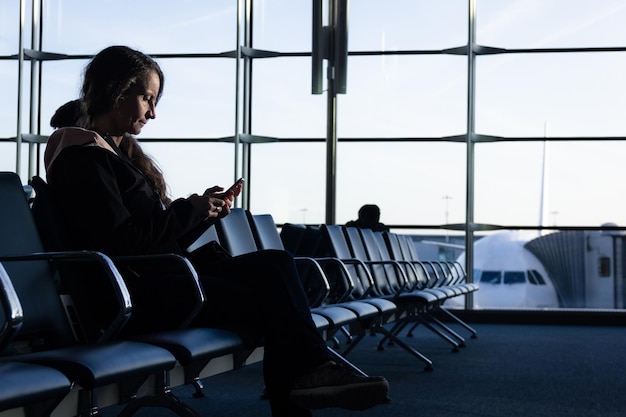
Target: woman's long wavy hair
[(110, 77)]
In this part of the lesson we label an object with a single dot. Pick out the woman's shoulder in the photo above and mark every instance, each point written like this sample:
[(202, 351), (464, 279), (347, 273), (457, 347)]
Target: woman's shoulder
[(72, 137)]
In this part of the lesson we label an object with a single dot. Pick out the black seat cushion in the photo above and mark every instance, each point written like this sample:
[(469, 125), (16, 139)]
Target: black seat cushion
[(24, 384), (96, 365)]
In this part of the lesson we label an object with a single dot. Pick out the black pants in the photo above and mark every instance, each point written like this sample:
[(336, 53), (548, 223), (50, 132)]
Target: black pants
[(260, 296)]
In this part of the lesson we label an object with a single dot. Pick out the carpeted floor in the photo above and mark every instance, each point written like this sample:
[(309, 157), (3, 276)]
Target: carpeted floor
[(508, 371)]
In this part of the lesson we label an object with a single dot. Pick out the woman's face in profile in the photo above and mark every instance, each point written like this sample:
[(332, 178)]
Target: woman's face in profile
[(139, 106)]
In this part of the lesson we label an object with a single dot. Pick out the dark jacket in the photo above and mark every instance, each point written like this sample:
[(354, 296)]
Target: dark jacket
[(102, 202)]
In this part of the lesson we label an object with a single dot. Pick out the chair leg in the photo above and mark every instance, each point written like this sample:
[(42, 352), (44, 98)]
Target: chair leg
[(198, 388), (87, 403), (355, 341), (347, 334), (447, 329), (426, 323), (163, 397), (339, 358), (389, 335), (473, 332), (395, 329), (410, 332)]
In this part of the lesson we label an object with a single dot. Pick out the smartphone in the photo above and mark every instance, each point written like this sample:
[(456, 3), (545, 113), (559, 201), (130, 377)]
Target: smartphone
[(233, 189)]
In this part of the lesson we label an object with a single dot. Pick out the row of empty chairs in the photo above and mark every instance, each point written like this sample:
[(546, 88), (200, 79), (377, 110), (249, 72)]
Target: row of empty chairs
[(385, 265), (355, 283)]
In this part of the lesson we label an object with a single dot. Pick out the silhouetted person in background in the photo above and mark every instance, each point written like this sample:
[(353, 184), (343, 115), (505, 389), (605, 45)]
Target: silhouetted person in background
[(369, 218)]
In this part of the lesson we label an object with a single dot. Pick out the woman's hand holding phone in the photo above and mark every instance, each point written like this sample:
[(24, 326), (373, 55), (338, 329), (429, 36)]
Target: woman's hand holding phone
[(232, 191), (230, 194)]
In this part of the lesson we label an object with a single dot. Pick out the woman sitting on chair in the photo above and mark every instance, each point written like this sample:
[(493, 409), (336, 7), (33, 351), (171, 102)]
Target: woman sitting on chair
[(123, 209)]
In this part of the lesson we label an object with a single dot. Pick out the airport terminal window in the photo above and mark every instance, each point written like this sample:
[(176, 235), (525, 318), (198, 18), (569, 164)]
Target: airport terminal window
[(9, 24), (386, 99), (579, 96), (199, 92), (554, 23), (282, 103), (508, 183), (62, 83), (8, 115), (169, 27), (407, 25), (282, 25), (412, 192), (206, 164), (404, 99), (289, 181)]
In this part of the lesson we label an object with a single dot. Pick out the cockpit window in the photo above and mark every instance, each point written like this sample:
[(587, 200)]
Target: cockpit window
[(538, 277), (491, 277), (514, 277)]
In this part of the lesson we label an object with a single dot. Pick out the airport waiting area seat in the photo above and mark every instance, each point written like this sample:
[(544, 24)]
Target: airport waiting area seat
[(46, 336), (34, 389), (340, 292), (167, 296), (356, 289), (235, 232), (419, 293), (409, 282), (80, 326)]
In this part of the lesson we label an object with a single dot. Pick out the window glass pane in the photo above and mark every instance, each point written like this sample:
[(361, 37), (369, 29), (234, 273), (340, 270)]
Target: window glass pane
[(402, 96), (282, 103), (288, 181), (198, 96), (282, 25), (407, 24), (508, 183), (8, 115), (171, 27), (198, 99), (10, 27), (62, 82), (408, 181), (580, 184), (405, 196), (8, 98), (584, 183), (193, 167), (7, 156), (573, 94), (550, 23)]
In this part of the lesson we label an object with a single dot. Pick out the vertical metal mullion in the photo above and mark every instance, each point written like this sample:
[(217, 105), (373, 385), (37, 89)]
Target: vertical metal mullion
[(237, 89), (331, 120), (20, 71), (247, 104), (471, 115), (35, 83)]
